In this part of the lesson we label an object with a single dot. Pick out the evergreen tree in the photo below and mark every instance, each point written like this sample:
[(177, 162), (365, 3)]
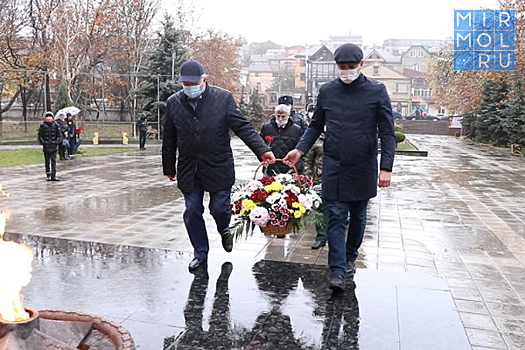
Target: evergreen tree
[(62, 100), (514, 124), (163, 70), (493, 113)]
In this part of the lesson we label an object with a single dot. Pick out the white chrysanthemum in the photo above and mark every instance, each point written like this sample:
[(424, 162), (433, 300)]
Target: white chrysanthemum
[(292, 187), (282, 203), (274, 197)]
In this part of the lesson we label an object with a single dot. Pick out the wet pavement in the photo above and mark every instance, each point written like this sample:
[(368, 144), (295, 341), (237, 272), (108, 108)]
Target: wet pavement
[(441, 266)]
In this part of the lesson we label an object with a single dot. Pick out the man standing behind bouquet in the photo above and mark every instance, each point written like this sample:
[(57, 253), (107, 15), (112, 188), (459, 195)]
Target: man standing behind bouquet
[(356, 110), (198, 120)]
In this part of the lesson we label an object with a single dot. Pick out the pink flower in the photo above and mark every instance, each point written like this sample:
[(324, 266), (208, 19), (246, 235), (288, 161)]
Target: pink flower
[(259, 216)]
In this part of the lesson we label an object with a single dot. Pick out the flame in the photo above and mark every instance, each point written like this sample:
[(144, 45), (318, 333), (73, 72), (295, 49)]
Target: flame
[(15, 272)]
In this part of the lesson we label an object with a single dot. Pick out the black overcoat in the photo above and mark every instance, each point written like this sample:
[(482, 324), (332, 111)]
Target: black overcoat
[(202, 139), (355, 116), (285, 140)]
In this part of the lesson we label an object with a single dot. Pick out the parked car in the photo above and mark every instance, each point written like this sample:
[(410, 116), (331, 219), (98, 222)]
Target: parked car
[(442, 116), (397, 115), (423, 117)]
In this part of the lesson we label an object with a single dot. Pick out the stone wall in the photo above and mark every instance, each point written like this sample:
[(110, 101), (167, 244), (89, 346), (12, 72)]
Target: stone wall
[(428, 127)]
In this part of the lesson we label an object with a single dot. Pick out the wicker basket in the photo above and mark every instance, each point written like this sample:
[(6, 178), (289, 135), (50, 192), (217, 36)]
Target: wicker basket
[(277, 230)]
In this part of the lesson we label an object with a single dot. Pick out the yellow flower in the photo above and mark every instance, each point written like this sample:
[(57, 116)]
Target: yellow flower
[(299, 206), (297, 214), (274, 187), (247, 205)]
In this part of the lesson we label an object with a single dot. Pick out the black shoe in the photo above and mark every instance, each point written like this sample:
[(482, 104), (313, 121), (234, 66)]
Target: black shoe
[(350, 269), (226, 271), (337, 284), (318, 244), (227, 242), (54, 179), (196, 263), (48, 178)]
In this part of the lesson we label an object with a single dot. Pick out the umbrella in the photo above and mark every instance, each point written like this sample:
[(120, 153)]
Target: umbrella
[(71, 110)]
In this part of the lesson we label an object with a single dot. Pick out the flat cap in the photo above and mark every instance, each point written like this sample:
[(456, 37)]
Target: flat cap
[(284, 99), (348, 54), (191, 71)]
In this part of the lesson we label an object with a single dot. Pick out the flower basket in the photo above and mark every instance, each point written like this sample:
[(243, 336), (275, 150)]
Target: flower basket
[(276, 204), (277, 230)]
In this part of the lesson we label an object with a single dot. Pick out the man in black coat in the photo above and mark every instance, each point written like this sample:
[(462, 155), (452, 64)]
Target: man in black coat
[(297, 118), (284, 135), (198, 123), (356, 111), (50, 137)]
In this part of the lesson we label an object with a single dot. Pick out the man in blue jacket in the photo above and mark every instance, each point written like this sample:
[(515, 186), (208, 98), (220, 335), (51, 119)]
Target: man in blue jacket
[(356, 111), (198, 121)]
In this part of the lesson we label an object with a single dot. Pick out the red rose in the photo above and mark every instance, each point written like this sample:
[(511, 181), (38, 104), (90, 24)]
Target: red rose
[(269, 138)]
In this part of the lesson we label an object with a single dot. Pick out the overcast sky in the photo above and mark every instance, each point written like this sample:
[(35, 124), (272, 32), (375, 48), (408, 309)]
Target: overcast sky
[(299, 22)]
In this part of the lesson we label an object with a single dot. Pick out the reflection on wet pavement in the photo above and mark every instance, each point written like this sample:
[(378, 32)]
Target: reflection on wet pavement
[(239, 302)]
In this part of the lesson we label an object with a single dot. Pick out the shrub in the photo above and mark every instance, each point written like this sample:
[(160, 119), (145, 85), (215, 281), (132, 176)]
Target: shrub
[(400, 137)]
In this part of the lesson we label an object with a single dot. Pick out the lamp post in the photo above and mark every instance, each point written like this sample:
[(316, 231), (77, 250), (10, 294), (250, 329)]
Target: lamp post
[(173, 58)]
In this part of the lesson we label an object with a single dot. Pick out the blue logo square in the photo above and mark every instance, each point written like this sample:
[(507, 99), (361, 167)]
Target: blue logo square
[(464, 60), (504, 20), (463, 19), (504, 60), (483, 60), (484, 20), (504, 40), (483, 41), (463, 40)]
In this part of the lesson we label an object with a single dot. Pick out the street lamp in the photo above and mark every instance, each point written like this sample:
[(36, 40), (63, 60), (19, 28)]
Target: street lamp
[(173, 58)]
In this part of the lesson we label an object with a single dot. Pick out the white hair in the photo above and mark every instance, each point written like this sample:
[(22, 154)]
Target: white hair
[(283, 109)]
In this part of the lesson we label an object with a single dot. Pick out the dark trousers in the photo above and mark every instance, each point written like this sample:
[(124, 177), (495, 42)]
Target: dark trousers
[(322, 228), (344, 243), (63, 151), (50, 158), (142, 139), (219, 208)]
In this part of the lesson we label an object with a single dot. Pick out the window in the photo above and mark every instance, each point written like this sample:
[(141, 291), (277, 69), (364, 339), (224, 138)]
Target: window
[(396, 88), (416, 67), (257, 74), (259, 86), (302, 63), (376, 70), (303, 77)]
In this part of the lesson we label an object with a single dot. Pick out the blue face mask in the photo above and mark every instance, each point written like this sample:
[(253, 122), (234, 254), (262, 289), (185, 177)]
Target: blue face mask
[(193, 91)]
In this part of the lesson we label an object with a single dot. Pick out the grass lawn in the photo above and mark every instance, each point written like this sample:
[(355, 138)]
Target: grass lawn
[(30, 156), (405, 145)]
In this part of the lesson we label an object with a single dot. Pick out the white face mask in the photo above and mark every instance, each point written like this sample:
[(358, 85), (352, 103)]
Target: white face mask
[(348, 75), (281, 123)]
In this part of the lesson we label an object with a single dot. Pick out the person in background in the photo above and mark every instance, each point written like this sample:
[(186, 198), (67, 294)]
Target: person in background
[(142, 125), (356, 111), (50, 137), (72, 135), (63, 148), (313, 168), (297, 118), (197, 140), (284, 134)]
